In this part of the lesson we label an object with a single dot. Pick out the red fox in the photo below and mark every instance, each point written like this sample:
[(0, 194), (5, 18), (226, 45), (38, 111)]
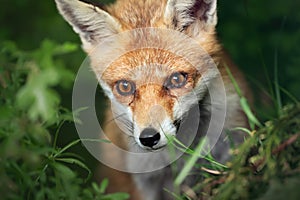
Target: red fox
[(155, 67)]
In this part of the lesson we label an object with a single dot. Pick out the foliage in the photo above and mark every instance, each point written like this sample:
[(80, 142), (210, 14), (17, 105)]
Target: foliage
[(32, 166), (266, 164)]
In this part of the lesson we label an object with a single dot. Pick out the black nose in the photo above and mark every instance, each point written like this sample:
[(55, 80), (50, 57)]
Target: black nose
[(149, 137)]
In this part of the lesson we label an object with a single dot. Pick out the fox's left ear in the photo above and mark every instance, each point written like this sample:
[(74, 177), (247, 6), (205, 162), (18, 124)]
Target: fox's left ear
[(191, 15), (90, 21)]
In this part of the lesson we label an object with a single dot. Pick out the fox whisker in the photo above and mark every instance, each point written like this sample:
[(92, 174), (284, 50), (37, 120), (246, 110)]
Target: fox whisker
[(115, 118)]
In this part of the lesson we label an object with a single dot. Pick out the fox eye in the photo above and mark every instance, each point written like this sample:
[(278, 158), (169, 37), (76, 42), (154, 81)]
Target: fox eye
[(176, 80), (125, 88)]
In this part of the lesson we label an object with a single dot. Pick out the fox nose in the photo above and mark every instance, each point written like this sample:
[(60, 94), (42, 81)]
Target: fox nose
[(149, 137)]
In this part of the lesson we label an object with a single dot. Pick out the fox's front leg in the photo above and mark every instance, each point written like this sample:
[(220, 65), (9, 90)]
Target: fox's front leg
[(154, 185)]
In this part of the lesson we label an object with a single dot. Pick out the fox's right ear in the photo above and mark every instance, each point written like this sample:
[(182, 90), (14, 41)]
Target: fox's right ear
[(192, 15), (91, 22)]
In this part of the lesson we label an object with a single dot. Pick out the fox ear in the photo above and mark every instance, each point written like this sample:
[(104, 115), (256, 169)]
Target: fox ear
[(191, 14), (88, 20)]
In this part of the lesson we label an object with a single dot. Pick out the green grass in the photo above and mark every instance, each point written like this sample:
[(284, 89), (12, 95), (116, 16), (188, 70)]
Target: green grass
[(269, 156)]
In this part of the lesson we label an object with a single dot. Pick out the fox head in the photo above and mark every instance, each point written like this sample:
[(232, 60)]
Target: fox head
[(141, 55)]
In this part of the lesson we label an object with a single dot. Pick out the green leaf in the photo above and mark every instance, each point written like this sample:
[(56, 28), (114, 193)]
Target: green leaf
[(76, 162), (63, 169), (103, 186), (73, 143), (116, 196), (66, 47), (38, 98)]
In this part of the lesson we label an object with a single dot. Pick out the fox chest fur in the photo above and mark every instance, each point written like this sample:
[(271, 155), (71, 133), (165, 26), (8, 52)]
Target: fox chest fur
[(157, 62)]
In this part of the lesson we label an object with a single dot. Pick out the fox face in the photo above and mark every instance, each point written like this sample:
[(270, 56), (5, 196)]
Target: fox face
[(147, 93), (142, 56), (152, 82)]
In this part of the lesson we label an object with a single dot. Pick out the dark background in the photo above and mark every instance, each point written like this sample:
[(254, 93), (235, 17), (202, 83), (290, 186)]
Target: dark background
[(260, 35)]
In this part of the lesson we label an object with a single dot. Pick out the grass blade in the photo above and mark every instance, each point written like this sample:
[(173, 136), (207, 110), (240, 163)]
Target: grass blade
[(244, 103), (190, 163)]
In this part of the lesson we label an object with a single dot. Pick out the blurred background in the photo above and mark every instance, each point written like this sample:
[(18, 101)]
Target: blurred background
[(262, 37)]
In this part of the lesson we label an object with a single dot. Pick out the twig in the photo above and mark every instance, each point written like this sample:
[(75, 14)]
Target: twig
[(288, 142), (277, 150)]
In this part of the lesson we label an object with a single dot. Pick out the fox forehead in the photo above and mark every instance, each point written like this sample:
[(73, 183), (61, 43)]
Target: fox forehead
[(120, 54), (146, 65)]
